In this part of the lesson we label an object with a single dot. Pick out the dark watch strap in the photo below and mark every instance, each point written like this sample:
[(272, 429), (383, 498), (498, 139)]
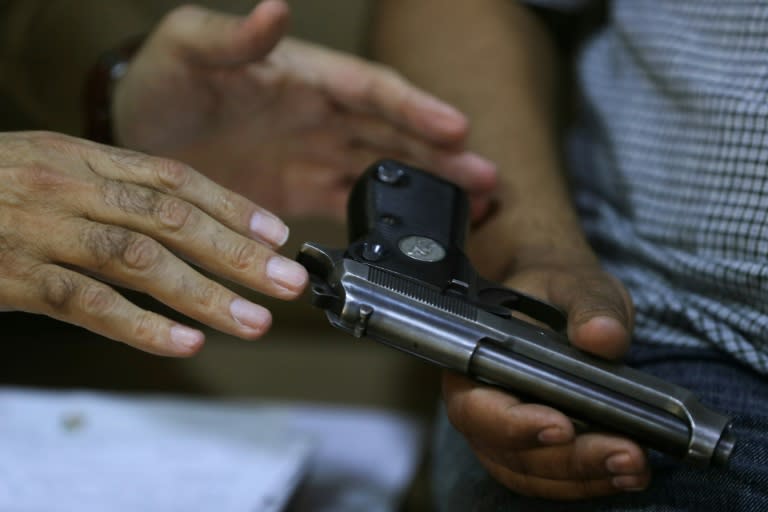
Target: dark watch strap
[(99, 87)]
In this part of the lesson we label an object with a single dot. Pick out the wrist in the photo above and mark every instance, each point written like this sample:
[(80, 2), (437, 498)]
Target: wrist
[(99, 88)]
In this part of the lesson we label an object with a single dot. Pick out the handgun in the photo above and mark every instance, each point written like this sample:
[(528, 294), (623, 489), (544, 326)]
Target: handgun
[(405, 281)]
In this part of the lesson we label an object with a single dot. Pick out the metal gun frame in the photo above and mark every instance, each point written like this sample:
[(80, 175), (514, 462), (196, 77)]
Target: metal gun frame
[(478, 340)]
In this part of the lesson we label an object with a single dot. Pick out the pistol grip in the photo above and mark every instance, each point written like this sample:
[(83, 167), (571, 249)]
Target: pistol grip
[(409, 222)]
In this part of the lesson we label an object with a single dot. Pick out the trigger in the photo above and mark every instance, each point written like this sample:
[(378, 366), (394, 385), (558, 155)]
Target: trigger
[(503, 301)]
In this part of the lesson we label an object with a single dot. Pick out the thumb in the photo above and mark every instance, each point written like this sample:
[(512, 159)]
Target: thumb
[(223, 39), (600, 312)]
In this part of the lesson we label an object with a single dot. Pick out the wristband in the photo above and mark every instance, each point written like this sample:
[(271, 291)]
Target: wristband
[(99, 88)]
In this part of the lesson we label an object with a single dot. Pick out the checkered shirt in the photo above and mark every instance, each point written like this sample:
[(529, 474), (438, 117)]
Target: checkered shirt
[(669, 160)]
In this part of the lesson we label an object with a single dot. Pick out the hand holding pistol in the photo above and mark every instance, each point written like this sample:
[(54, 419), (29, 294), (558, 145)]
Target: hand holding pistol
[(405, 281)]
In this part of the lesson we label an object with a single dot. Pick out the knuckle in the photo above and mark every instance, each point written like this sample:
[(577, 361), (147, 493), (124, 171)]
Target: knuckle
[(228, 206), (244, 256), (129, 198), (172, 174), (132, 162), (174, 213), (57, 290), (105, 243), (141, 253), (207, 296), (97, 300), (144, 327)]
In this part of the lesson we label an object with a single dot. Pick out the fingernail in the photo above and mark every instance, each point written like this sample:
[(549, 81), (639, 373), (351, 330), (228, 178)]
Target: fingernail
[(618, 463), (185, 337), (629, 483), (553, 435), (287, 273), (249, 314), (269, 228)]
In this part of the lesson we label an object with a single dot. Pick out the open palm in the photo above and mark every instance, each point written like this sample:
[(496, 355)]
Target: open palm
[(288, 124)]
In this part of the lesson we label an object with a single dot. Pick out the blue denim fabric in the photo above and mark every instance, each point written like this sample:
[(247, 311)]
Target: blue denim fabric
[(461, 484)]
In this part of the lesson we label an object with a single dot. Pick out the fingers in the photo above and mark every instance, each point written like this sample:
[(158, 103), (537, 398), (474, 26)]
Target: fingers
[(191, 214), (111, 216), (78, 299), (136, 261), (388, 94), (588, 458), (588, 468), (468, 170), (187, 231), (530, 485), (322, 187), (365, 87), (501, 430), (490, 417), (366, 139), (220, 39), (533, 449), (176, 179)]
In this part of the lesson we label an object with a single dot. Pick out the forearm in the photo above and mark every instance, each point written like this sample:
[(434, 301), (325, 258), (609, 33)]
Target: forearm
[(495, 61), (48, 46)]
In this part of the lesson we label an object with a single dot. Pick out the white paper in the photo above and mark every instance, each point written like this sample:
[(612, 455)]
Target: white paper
[(87, 451)]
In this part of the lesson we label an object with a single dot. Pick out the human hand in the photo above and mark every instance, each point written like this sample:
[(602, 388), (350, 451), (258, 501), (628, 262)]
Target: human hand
[(533, 449), (76, 216), (289, 125)]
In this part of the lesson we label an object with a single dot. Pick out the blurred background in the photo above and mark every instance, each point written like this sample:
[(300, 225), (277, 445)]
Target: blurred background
[(301, 359), (339, 24)]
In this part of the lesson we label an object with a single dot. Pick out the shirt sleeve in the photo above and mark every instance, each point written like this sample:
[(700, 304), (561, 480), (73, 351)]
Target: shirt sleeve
[(47, 48)]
